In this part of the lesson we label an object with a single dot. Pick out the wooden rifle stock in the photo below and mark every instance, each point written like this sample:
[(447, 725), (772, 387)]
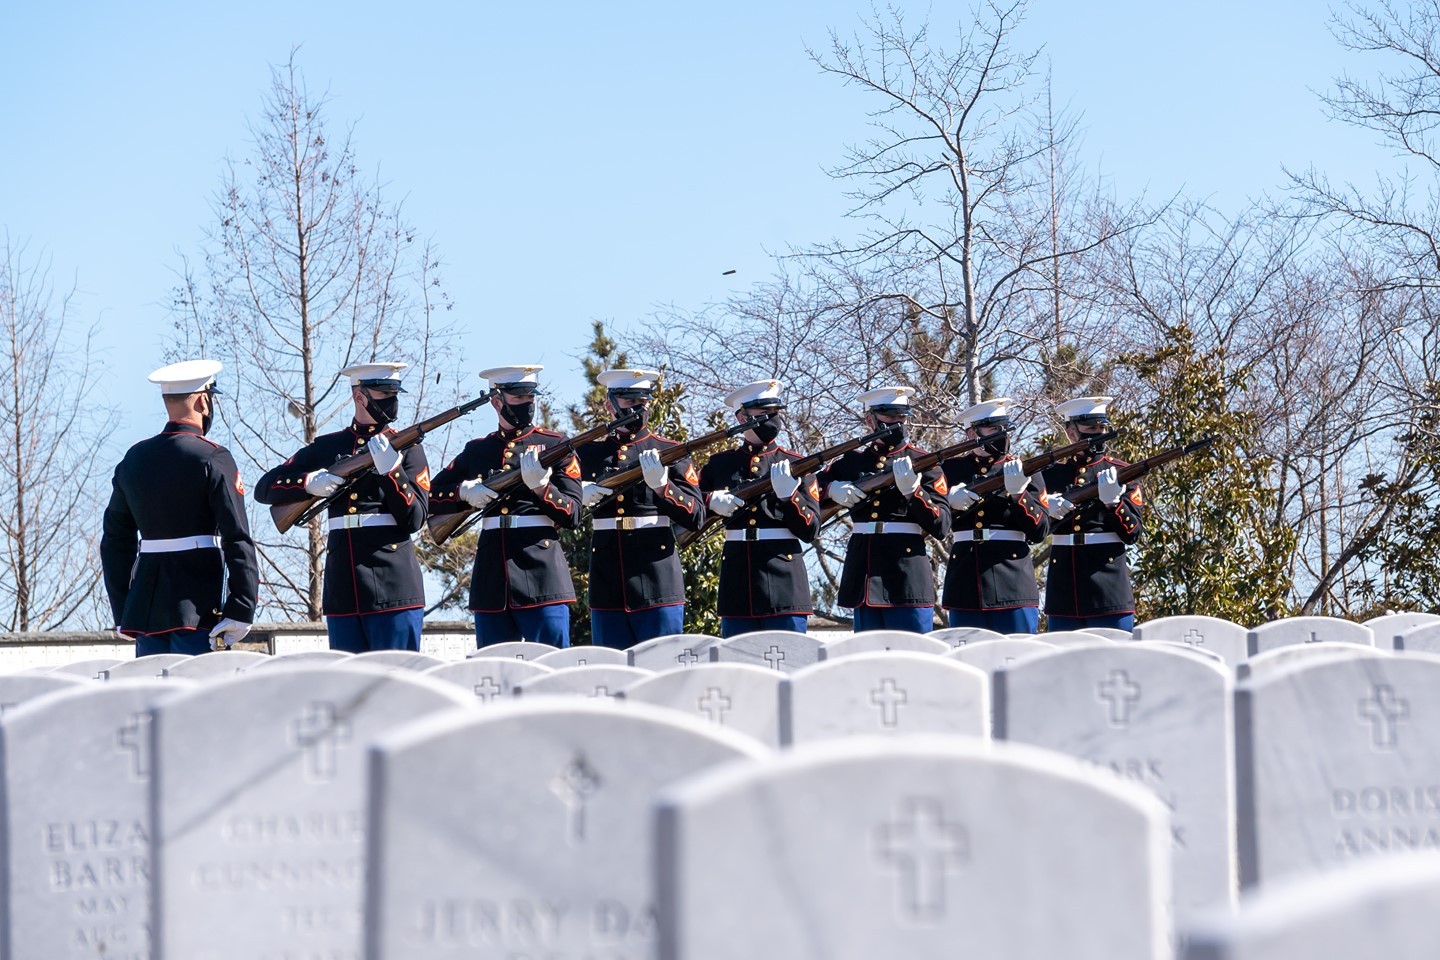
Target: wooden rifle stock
[(1043, 461), (287, 515), (680, 451), (502, 481), (886, 478), (1134, 471), (800, 467)]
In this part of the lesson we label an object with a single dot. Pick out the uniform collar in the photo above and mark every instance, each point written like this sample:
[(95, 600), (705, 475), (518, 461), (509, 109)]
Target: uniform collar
[(515, 434), (191, 428), (633, 438), (759, 451), (366, 429)]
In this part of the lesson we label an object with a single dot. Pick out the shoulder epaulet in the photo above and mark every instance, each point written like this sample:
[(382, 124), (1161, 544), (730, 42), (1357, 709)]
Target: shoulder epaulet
[(548, 433), (664, 439), (794, 453)]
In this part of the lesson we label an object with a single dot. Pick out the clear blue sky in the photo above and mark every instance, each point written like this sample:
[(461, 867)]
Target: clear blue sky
[(577, 161)]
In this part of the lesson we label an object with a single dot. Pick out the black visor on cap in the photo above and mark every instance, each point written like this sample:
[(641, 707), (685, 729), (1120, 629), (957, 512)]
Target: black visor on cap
[(993, 422), (524, 388), (1092, 418), (891, 409), (632, 393), (761, 406), (383, 384)]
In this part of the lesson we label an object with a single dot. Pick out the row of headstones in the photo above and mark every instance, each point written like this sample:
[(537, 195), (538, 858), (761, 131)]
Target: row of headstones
[(1326, 773)]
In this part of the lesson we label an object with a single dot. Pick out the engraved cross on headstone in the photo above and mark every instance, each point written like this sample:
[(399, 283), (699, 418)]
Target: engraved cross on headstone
[(889, 697), (923, 848), (135, 737), (487, 689), (687, 658), (600, 691), (575, 785), (1384, 711), (775, 656), (1313, 637), (1193, 637), (715, 704), (318, 732), (1121, 693)]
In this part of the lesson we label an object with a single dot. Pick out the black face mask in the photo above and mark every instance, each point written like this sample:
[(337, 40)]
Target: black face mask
[(767, 431), (383, 410), (897, 435), (519, 414), (997, 445), (207, 419), (638, 424)]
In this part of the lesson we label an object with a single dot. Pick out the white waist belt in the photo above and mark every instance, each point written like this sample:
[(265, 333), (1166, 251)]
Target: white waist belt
[(631, 523), (1081, 539), (507, 521), (761, 533), (962, 535), (178, 544), (360, 520), (886, 527)]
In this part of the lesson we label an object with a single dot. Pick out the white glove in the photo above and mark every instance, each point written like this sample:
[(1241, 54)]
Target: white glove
[(782, 481), (657, 475), (476, 494), (535, 476), (322, 483), (960, 497), (1110, 488), (386, 457), (1015, 479), (593, 493), (907, 481), (724, 503), (844, 493), (226, 632), (1059, 508)]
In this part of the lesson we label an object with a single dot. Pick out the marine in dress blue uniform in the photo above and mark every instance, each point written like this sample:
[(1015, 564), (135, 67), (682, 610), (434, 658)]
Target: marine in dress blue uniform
[(520, 585), (887, 578), (637, 586), (374, 595), (178, 561), (763, 582), (990, 581), (1088, 584)]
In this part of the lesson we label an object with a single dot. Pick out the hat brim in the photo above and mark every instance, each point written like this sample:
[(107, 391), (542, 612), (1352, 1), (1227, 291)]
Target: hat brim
[(383, 383), (891, 409), (632, 393)]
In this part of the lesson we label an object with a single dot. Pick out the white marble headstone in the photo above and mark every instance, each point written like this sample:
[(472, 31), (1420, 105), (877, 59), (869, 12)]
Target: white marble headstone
[(1390, 626), (18, 688), (1279, 633), (1384, 911), (525, 831), (960, 636), (76, 822), (885, 694), (672, 651), (777, 649), (220, 665), (1278, 659), (605, 680), (880, 641), (309, 658), (1224, 637), (490, 679), (585, 656), (991, 654), (736, 696), (152, 667), (1151, 715), (259, 807), (1337, 760), (515, 649), (920, 846), (398, 660)]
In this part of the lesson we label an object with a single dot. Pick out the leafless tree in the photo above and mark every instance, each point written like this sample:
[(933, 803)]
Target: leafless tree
[(306, 269), (52, 452)]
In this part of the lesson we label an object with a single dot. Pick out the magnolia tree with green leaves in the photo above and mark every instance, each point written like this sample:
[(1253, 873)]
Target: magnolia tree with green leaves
[(1214, 542)]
